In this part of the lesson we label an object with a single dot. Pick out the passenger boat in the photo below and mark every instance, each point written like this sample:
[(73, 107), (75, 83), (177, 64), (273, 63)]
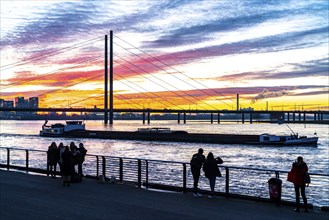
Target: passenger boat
[(76, 129)]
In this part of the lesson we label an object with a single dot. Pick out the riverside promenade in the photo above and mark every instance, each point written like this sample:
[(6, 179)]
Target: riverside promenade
[(27, 196)]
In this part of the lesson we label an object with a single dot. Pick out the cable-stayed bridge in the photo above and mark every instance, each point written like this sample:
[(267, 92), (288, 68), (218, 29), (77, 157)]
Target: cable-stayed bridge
[(160, 88)]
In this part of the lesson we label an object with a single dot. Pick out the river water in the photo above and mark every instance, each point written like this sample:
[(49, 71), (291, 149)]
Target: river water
[(25, 134)]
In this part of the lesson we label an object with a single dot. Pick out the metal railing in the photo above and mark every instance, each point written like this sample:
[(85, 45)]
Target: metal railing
[(240, 182)]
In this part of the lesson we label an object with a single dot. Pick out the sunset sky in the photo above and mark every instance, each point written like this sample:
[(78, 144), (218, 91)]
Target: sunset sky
[(178, 54)]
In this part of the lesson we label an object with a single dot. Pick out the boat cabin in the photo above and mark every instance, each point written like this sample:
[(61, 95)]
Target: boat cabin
[(265, 138), (59, 128), (54, 129), (154, 130), (74, 125)]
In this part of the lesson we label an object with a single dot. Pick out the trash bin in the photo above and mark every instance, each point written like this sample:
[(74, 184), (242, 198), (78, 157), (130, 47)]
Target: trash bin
[(275, 186)]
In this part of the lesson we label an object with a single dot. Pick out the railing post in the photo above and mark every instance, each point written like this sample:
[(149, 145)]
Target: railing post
[(147, 173), (104, 166), (184, 177), (139, 173), (47, 163), (97, 166), (121, 170), (227, 182), (27, 161), (8, 158)]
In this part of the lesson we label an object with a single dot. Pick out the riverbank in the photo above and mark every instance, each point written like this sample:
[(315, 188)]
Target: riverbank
[(25, 196)]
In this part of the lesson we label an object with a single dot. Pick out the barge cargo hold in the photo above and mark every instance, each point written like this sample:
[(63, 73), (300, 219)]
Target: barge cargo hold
[(76, 129)]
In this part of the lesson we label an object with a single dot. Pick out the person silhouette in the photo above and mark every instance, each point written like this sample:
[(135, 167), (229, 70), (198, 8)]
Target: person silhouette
[(52, 159), (299, 169), (196, 163), (211, 170)]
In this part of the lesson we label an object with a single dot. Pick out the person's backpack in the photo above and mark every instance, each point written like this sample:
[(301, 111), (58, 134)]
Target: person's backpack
[(196, 161)]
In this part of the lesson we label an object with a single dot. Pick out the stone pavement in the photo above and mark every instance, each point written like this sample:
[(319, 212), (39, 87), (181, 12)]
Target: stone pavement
[(26, 196)]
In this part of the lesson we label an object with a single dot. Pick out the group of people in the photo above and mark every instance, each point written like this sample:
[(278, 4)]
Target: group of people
[(299, 170), (210, 168), (67, 157)]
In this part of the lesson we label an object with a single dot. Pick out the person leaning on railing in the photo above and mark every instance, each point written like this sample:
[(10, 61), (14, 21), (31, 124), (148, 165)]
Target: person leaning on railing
[(196, 164), (211, 170)]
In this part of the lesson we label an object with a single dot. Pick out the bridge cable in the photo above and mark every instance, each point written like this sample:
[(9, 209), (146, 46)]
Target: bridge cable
[(174, 70), (142, 87), (166, 83), (145, 90)]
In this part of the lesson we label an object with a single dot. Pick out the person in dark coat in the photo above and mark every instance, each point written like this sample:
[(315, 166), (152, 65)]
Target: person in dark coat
[(196, 164), (73, 149), (52, 159), (61, 149), (210, 167), (80, 158), (299, 169), (67, 166)]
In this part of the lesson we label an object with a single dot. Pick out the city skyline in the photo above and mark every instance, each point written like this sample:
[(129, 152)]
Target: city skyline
[(203, 53)]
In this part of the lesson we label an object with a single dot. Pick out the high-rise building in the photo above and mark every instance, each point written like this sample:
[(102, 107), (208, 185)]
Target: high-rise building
[(8, 104), (33, 102), (19, 102)]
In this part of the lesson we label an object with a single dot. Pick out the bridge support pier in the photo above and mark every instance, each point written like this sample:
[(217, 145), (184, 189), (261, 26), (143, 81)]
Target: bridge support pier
[(242, 118), (184, 117), (293, 117), (143, 117), (288, 119), (211, 118), (250, 118), (148, 117), (218, 118), (178, 118)]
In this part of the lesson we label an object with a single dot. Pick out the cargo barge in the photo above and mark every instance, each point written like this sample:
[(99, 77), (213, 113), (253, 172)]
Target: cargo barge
[(76, 129)]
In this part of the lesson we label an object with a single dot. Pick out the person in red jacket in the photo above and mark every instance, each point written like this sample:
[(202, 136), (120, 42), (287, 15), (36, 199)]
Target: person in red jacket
[(299, 170)]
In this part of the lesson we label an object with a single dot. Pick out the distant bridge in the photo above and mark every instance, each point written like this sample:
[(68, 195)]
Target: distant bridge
[(246, 115)]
